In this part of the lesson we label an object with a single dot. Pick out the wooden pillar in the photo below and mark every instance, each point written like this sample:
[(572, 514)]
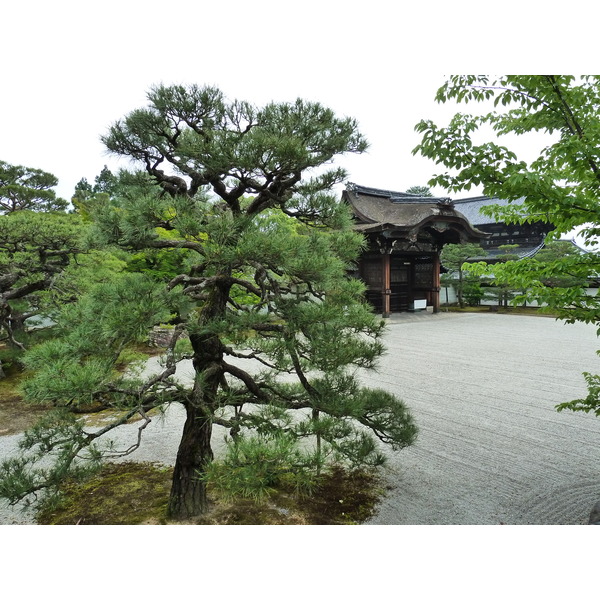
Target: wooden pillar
[(386, 279), (436, 283)]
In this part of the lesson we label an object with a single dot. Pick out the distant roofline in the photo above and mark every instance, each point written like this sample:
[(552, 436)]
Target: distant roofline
[(476, 199), (391, 195), (399, 196), (521, 252), (484, 198)]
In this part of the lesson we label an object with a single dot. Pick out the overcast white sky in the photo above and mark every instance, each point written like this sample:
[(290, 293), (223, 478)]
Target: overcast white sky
[(71, 69)]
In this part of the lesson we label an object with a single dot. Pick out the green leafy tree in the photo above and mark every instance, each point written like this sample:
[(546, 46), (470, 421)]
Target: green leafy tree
[(84, 271), (161, 264), (104, 183), (560, 252), (473, 291), (453, 257), (83, 198), (420, 190), (86, 195), (273, 325), (501, 289), (25, 188), (561, 186)]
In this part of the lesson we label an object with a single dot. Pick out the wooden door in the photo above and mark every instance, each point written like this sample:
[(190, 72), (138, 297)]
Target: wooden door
[(400, 279), (371, 272)]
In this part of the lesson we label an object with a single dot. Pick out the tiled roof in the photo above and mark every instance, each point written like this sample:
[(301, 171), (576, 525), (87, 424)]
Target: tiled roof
[(395, 197), (381, 210), (471, 208), (468, 207)]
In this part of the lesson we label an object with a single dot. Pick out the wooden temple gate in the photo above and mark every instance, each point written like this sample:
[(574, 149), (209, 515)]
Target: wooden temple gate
[(405, 233), (401, 282)]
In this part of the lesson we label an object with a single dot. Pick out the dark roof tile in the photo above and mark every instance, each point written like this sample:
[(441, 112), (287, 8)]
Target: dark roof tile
[(376, 210)]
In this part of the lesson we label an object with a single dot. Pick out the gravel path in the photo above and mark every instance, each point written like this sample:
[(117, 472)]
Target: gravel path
[(491, 447)]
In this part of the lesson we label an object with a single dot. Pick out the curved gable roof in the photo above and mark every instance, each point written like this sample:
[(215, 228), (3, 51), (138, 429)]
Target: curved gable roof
[(378, 210)]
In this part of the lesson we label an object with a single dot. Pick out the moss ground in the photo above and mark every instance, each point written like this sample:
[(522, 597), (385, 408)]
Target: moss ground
[(15, 414), (137, 493)]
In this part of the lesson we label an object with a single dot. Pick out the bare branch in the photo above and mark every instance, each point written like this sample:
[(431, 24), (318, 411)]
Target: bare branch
[(255, 388), (134, 447), (251, 356)]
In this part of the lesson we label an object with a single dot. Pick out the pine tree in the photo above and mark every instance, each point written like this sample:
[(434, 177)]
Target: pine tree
[(35, 249), (275, 328), (420, 190), (453, 257), (25, 188)]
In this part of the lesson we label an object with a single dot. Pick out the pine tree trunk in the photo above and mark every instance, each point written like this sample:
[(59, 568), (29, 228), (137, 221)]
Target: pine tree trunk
[(188, 492)]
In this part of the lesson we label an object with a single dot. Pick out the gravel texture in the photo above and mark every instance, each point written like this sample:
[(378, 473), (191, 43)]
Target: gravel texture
[(491, 448)]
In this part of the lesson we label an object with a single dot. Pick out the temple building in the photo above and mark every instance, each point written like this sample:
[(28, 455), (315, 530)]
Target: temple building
[(406, 233), (528, 237)]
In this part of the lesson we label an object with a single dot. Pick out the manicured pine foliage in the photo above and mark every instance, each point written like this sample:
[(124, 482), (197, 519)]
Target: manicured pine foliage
[(35, 250), (454, 257), (43, 263), (275, 329), (26, 188)]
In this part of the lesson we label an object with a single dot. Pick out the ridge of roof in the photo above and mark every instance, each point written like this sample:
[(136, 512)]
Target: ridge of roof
[(481, 198), (393, 196), (371, 191), (378, 210), (469, 208), (405, 196)]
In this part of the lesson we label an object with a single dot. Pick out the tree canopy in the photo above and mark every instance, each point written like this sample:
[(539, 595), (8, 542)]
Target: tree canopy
[(38, 245), (261, 305), (106, 182), (453, 257), (35, 250), (26, 188), (561, 186), (420, 190)]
